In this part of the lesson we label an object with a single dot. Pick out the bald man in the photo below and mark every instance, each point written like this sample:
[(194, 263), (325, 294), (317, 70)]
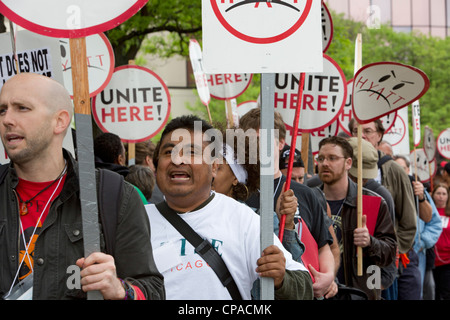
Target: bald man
[(40, 212)]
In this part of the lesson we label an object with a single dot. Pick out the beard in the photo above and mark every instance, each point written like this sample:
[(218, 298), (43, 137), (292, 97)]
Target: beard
[(32, 149), (329, 176)]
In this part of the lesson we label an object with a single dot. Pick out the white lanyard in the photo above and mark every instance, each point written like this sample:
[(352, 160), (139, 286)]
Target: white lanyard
[(32, 235)]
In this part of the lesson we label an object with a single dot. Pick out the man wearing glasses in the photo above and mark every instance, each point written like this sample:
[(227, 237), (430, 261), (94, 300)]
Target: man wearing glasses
[(393, 177), (334, 160)]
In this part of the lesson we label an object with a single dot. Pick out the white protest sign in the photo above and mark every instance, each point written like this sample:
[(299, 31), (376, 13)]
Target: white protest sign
[(135, 104), (324, 96), (248, 36), (443, 143), (229, 85), (398, 134), (35, 54), (416, 122), (383, 87), (327, 27), (100, 63), (196, 57), (347, 113), (69, 18), (422, 165), (244, 107), (429, 143)]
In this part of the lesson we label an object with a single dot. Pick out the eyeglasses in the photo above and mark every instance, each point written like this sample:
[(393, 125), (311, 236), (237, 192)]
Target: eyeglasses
[(321, 159), (366, 132)]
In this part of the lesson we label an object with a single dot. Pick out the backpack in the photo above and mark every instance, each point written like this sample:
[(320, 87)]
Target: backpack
[(109, 197)]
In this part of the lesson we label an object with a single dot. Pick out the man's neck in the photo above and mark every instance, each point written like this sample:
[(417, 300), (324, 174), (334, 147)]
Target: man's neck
[(337, 190), (41, 171)]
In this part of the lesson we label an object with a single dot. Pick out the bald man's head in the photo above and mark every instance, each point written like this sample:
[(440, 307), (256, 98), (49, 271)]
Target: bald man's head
[(50, 92)]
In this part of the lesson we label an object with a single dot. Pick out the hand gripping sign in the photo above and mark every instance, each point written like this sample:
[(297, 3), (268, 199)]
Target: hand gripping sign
[(135, 104), (383, 87)]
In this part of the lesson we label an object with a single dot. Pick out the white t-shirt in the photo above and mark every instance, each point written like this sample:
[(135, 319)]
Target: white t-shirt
[(234, 231)]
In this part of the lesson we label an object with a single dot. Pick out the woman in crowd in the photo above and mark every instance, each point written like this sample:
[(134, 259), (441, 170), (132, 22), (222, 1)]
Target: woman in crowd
[(441, 272)]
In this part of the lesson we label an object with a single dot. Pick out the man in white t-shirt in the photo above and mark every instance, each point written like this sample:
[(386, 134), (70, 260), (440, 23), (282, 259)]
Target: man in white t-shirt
[(185, 170)]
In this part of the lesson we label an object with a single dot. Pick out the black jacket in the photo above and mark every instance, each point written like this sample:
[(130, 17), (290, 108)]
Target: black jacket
[(60, 242)]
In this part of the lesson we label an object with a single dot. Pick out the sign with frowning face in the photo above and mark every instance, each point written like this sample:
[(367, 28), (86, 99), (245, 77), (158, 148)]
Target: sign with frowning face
[(429, 143), (324, 96), (423, 166), (383, 87), (276, 36), (69, 18), (135, 104), (100, 63), (347, 113)]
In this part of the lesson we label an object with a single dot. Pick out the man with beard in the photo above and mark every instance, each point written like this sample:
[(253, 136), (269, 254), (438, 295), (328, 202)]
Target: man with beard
[(379, 246)]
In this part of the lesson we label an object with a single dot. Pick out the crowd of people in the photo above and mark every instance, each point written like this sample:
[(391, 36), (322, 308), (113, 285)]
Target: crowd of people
[(212, 182)]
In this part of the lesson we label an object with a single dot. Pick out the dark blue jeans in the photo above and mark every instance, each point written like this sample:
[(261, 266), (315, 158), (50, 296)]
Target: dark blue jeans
[(442, 282)]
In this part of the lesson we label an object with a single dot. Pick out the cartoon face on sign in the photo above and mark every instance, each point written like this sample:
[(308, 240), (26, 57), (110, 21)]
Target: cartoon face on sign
[(429, 143), (381, 88), (260, 26)]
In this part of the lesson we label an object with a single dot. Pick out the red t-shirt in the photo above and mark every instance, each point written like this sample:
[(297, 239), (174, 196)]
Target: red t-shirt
[(27, 190), (442, 246)]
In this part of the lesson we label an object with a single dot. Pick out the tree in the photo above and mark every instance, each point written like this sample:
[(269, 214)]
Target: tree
[(161, 27)]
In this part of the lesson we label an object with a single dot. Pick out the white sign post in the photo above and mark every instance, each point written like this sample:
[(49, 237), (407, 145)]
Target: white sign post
[(135, 104)]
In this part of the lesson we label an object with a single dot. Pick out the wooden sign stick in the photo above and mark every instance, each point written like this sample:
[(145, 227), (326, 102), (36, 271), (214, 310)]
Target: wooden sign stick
[(85, 151)]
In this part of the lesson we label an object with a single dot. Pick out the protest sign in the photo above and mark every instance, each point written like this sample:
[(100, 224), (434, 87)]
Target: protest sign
[(324, 96), (229, 85), (35, 54), (100, 63), (416, 122), (421, 166), (398, 134), (69, 18), (429, 144), (244, 107), (383, 87), (443, 143), (135, 104), (327, 27), (276, 36), (347, 113)]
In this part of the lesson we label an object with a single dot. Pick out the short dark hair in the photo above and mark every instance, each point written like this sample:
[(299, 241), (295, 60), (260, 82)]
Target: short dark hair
[(183, 122), (107, 147), (341, 142), (252, 120)]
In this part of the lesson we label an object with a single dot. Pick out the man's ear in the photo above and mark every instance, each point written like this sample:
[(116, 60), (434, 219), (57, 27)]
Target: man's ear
[(62, 119), (214, 167), (281, 144)]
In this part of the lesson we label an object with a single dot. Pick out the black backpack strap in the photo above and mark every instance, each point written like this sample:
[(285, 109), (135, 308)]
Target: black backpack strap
[(110, 196), (202, 247)]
